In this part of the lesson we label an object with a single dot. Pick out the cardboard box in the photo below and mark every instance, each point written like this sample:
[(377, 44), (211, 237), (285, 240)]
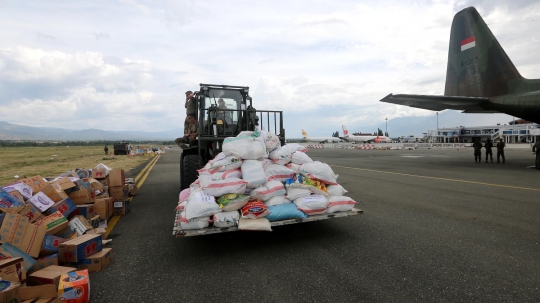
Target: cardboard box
[(51, 244), (101, 208), (9, 291), (41, 201), (50, 191), (7, 200), (15, 193), (66, 207), (100, 171), (31, 212), (79, 224), (65, 183), (32, 239), (55, 222), (75, 287), (87, 210), (44, 262), (8, 250), (117, 177), (81, 196), (97, 231), (96, 186), (96, 262), (80, 248), (22, 188), (119, 193), (105, 181), (47, 293), (36, 183), (12, 269), (132, 189), (12, 228), (121, 208), (48, 275)]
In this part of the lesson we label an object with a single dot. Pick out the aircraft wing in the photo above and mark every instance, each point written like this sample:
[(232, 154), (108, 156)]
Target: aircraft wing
[(439, 103)]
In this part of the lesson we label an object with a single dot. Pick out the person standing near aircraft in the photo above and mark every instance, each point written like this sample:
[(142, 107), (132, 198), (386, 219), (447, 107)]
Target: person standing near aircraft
[(191, 109), (477, 145), (489, 152), (500, 150), (536, 150)]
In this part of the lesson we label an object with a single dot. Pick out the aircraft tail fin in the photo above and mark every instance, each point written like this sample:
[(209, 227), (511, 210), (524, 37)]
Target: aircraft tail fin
[(345, 131), (304, 134), (477, 64)]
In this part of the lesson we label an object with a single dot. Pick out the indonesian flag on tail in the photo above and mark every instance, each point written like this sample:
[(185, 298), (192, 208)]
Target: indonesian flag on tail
[(468, 43)]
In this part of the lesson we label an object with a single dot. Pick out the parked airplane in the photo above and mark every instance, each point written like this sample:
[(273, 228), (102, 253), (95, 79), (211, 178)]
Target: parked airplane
[(306, 138), (366, 139), (480, 78)]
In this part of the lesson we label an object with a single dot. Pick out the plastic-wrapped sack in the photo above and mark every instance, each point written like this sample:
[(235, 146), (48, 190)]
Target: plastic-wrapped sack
[(315, 186), (205, 170), (183, 195), (204, 180), (260, 224), (231, 202), (226, 219), (225, 164), (219, 188), (218, 157), (340, 203), (254, 209), (312, 205), (231, 173), (277, 200), (278, 172), (319, 171), (181, 206), (268, 190), (247, 147), (294, 167), (294, 193), (284, 212), (253, 173), (336, 190), (299, 157), (200, 204)]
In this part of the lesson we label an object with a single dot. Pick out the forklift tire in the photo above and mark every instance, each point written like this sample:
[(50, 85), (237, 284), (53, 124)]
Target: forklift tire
[(189, 167)]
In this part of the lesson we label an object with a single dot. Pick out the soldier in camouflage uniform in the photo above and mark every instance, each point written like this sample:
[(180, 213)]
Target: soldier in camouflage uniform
[(489, 152), (477, 145), (500, 150), (536, 150)]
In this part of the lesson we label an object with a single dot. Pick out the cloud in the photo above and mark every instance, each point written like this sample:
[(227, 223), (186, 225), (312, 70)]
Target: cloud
[(99, 36)]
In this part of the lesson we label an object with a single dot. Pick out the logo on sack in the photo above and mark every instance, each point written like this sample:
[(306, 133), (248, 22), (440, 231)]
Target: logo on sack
[(26, 191)]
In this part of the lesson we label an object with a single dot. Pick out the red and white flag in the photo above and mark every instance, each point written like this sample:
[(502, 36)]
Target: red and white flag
[(468, 43)]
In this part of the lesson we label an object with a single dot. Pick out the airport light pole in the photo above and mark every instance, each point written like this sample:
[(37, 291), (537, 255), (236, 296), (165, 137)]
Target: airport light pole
[(386, 126)]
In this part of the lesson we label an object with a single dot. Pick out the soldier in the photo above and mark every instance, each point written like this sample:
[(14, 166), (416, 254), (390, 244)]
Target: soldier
[(477, 145), (536, 150), (190, 138), (489, 152), (106, 149), (191, 109), (500, 150)]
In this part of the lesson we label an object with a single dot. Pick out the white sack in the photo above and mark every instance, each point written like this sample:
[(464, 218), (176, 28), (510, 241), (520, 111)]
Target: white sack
[(231, 173), (195, 223), (225, 164), (277, 200), (268, 190), (336, 190), (294, 167), (200, 204), (253, 173), (297, 192), (299, 157), (228, 186), (312, 205), (278, 172), (247, 147), (226, 219), (261, 224), (340, 203), (319, 171)]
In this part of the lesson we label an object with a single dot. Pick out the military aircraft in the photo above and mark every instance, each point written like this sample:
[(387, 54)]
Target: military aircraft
[(480, 78), (321, 140), (366, 139)]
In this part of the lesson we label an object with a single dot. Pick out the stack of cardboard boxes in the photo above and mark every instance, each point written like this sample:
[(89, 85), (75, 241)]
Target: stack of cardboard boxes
[(51, 229)]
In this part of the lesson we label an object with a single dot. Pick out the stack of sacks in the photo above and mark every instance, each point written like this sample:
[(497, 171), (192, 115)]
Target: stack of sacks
[(255, 181)]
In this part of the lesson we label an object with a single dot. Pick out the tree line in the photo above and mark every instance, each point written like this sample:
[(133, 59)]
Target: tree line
[(17, 143)]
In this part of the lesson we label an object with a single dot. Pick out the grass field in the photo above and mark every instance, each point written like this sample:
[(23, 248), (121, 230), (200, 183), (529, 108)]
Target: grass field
[(53, 161)]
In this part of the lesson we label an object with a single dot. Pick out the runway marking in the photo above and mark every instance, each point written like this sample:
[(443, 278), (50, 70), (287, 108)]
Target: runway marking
[(438, 178), (142, 176)]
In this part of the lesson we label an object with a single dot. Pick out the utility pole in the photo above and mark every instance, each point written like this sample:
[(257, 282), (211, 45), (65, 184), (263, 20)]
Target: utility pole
[(386, 126), (437, 127)]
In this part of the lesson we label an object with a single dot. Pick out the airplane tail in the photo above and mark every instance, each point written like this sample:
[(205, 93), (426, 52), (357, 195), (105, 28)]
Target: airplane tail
[(345, 131), (304, 134), (477, 64)]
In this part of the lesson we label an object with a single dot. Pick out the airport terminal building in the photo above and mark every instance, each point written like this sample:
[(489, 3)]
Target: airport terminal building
[(519, 131)]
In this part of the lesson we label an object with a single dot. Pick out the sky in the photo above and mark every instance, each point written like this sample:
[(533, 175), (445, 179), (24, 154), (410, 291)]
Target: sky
[(126, 64)]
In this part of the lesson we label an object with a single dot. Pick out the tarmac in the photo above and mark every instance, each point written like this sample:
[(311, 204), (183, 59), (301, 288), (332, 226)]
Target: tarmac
[(437, 227)]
